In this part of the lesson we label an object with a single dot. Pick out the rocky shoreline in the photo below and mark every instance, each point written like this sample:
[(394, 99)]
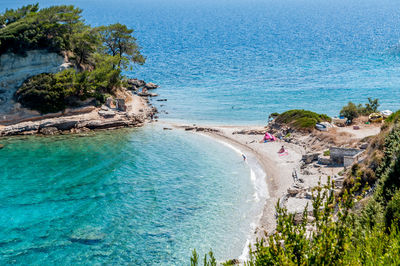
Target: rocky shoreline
[(131, 108)]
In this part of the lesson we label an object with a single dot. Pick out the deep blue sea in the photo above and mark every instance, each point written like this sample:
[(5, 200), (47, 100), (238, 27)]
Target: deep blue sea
[(150, 196)]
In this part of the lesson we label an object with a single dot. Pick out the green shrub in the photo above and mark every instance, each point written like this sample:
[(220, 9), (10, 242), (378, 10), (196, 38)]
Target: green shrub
[(392, 213), (301, 119), (48, 93), (327, 153), (273, 115), (349, 111), (43, 93), (393, 118)]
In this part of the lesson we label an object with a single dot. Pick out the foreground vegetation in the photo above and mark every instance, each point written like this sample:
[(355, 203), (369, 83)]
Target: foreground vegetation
[(99, 55), (357, 226)]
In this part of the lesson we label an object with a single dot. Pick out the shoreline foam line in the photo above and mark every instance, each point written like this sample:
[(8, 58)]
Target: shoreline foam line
[(258, 179)]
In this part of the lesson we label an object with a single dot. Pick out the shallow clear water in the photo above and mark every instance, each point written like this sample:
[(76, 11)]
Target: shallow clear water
[(143, 196), (151, 196)]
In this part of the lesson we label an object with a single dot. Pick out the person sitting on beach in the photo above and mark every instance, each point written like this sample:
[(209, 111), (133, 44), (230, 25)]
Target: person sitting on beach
[(282, 150)]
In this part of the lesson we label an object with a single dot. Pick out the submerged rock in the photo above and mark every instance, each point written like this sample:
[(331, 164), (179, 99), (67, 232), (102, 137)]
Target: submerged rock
[(87, 235), (1, 146)]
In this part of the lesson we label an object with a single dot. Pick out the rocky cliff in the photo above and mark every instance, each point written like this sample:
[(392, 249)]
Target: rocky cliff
[(15, 69)]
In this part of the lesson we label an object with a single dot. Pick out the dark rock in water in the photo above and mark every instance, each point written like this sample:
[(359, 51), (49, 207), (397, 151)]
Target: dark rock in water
[(146, 94), (161, 100), (136, 82), (1, 146), (151, 86), (167, 128), (87, 235)]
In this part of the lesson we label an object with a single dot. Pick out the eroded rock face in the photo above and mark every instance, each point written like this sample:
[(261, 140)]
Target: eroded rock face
[(49, 131), (15, 69)]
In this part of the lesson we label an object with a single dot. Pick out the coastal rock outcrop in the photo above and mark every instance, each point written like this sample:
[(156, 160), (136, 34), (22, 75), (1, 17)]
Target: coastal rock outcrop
[(49, 131), (151, 86), (84, 119), (15, 69), (136, 82)]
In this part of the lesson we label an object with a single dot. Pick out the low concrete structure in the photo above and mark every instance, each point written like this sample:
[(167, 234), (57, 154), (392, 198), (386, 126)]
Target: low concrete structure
[(344, 156)]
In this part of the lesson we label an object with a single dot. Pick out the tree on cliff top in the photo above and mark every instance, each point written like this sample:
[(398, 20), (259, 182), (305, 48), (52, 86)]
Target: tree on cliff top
[(118, 41), (29, 28), (12, 15)]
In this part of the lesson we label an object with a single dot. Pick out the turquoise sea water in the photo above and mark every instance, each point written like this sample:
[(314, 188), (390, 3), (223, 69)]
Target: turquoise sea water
[(139, 197), (150, 196)]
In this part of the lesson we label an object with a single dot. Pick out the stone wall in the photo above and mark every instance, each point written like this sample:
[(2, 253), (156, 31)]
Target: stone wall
[(341, 156), (349, 160)]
